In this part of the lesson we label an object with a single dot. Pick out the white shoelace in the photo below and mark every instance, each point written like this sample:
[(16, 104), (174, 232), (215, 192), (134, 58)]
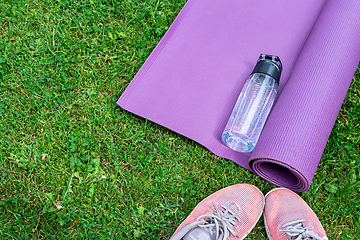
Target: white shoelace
[(222, 220), (297, 230)]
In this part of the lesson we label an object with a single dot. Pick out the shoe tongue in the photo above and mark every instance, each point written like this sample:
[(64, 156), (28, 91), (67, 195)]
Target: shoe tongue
[(200, 233)]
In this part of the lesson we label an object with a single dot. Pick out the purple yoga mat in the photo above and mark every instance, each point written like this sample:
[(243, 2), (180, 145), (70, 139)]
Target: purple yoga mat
[(289, 149), (192, 79)]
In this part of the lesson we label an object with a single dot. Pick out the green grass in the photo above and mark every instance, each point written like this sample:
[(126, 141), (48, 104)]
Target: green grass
[(75, 165)]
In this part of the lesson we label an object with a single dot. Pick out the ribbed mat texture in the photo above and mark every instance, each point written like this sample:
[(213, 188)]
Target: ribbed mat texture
[(192, 79)]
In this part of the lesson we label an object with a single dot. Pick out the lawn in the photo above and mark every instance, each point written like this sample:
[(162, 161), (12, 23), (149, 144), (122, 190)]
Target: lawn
[(75, 165)]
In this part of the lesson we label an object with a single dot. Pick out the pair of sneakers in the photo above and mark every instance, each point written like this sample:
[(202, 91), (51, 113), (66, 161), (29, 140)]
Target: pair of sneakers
[(232, 212)]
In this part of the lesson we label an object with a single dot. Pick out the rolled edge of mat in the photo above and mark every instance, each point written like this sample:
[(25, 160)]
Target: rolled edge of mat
[(296, 133), (280, 174)]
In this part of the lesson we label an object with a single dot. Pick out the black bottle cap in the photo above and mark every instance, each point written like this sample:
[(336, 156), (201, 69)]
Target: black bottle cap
[(270, 65)]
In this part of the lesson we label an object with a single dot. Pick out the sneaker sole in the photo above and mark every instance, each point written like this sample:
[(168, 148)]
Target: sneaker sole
[(267, 229)]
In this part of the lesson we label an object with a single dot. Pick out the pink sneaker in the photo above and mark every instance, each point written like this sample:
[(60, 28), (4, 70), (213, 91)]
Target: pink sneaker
[(287, 216), (230, 213)]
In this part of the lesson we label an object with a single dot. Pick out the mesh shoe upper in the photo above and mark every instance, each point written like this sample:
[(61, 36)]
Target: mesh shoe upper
[(248, 198), (287, 216)]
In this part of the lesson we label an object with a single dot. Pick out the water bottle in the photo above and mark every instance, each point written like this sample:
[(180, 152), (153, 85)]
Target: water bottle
[(253, 105)]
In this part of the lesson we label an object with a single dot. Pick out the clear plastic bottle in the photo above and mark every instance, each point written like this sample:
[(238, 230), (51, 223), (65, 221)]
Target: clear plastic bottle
[(253, 105)]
